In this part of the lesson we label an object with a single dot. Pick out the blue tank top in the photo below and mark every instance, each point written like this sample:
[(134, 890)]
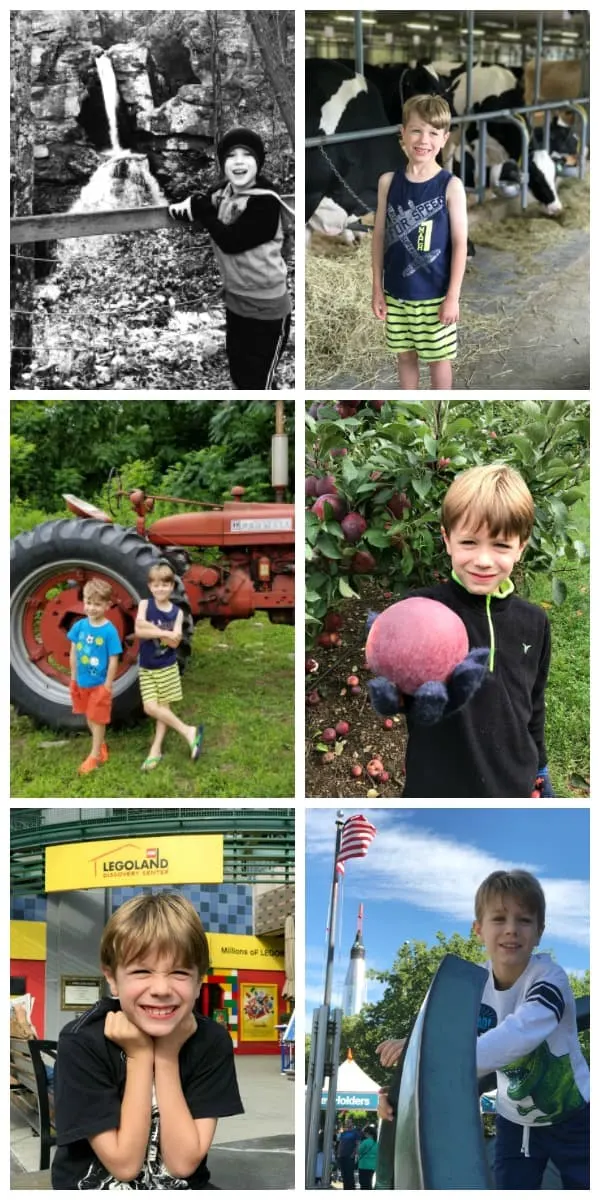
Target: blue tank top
[(153, 653), (417, 246)]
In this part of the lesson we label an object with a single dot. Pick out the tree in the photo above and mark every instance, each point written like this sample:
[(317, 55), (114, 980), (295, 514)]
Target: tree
[(268, 36), (393, 467), (22, 261)]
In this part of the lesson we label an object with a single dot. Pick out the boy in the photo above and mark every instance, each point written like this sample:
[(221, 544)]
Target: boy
[(139, 1080), (242, 214), (494, 746), (527, 1031), (159, 625), (419, 251), (94, 658)]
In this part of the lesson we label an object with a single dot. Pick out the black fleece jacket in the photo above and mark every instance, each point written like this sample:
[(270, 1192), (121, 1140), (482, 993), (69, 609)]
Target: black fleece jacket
[(258, 223), (494, 746)]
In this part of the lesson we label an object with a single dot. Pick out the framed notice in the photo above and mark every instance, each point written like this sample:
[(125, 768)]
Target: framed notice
[(78, 993), (258, 1012)]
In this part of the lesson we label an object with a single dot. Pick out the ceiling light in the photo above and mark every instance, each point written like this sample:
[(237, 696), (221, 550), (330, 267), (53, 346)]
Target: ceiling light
[(417, 25)]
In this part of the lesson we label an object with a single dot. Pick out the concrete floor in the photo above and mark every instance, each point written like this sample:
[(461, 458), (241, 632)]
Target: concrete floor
[(253, 1150)]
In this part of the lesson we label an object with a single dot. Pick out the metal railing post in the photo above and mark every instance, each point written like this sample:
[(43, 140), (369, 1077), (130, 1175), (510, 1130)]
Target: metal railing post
[(359, 49), (538, 57)]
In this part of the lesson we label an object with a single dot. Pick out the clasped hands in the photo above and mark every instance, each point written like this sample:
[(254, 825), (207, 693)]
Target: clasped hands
[(119, 1029)]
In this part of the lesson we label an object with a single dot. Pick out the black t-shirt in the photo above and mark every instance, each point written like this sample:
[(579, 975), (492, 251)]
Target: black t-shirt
[(89, 1082)]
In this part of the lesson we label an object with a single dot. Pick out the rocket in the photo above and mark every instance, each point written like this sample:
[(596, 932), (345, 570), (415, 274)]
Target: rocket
[(355, 985)]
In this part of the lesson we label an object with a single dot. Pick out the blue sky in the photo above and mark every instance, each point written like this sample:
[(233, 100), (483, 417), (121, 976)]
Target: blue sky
[(421, 874)]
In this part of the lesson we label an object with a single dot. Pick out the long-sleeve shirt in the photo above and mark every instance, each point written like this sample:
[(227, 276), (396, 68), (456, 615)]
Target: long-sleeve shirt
[(528, 1035)]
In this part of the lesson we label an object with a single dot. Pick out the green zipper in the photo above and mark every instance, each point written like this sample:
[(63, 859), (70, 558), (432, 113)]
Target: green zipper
[(488, 601)]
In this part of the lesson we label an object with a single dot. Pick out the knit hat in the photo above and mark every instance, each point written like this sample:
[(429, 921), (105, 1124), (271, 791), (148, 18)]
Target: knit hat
[(241, 137)]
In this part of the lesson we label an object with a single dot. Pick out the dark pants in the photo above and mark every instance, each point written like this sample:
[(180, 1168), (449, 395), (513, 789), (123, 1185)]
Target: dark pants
[(347, 1169), (254, 349), (365, 1178), (566, 1144)]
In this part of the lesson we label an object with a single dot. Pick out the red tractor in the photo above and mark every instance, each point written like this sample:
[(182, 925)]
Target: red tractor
[(253, 570)]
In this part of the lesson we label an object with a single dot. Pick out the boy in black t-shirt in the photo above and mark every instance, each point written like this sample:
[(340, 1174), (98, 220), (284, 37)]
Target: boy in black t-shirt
[(139, 1080)]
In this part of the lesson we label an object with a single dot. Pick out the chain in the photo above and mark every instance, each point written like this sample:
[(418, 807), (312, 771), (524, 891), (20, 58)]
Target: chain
[(341, 180)]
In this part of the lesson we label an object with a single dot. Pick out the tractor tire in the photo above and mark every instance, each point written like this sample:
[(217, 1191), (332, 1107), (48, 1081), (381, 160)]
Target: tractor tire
[(42, 563)]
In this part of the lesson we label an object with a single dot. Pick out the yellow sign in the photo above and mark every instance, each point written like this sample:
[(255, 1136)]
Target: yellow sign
[(240, 951), (28, 940), (258, 1012), (195, 858)]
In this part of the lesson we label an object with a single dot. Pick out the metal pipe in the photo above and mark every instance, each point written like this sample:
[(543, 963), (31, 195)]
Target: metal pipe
[(330, 1110), (482, 162), (538, 56), (470, 28), (359, 49), (359, 135), (313, 1092), (335, 885)]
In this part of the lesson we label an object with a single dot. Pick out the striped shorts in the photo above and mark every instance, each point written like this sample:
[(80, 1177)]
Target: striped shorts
[(414, 325), (162, 684)]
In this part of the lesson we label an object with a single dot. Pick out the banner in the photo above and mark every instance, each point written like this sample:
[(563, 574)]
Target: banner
[(193, 858), (243, 951), (258, 1012)]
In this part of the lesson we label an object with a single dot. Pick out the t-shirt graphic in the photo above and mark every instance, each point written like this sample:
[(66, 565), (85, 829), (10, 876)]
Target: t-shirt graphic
[(154, 653), (153, 1176), (94, 646), (402, 222)]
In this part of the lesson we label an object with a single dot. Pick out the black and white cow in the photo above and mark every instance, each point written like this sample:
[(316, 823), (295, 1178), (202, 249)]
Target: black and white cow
[(338, 100)]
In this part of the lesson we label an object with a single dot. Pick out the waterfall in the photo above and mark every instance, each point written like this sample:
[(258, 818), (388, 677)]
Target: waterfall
[(110, 93)]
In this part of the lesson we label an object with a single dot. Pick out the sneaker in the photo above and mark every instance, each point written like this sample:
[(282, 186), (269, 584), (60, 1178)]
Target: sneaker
[(196, 747), (90, 764), (104, 753)]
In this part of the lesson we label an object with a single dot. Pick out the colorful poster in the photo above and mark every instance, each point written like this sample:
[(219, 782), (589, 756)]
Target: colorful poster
[(258, 1012)]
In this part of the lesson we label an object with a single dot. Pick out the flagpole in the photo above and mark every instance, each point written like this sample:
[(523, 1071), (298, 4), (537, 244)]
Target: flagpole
[(335, 885)]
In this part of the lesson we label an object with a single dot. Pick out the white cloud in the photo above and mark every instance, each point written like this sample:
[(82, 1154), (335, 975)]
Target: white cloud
[(433, 871)]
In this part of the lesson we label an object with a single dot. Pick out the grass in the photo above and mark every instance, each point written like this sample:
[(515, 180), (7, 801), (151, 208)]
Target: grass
[(239, 683), (567, 694)]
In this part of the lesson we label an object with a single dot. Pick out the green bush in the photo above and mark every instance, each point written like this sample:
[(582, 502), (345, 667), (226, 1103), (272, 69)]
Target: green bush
[(408, 455)]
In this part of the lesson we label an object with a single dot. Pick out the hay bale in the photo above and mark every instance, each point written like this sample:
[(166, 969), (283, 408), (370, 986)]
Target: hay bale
[(340, 327)]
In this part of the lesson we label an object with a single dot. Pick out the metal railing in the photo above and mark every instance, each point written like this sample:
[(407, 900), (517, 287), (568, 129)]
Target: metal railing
[(510, 115)]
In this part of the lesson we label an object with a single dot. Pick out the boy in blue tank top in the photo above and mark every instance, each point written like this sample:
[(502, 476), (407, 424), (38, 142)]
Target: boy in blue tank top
[(159, 626), (420, 248)]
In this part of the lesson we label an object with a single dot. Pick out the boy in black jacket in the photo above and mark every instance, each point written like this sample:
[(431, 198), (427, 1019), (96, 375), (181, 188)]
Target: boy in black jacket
[(494, 746), (242, 215), (139, 1080)]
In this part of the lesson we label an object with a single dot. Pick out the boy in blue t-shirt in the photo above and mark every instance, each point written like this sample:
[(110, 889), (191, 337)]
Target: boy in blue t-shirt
[(94, 658), (419, 248)]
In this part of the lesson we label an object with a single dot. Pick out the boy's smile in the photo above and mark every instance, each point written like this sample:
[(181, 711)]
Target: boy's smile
[(510, 934), (240, 168), (480, 561), (155, 992)]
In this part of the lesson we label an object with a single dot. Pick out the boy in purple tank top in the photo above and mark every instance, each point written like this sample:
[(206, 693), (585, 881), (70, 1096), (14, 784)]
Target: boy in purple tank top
[(420, 248), (159, 626)]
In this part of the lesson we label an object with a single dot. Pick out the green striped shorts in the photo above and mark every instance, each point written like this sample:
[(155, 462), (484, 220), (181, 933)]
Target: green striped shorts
[(162, 685), (414, 325)]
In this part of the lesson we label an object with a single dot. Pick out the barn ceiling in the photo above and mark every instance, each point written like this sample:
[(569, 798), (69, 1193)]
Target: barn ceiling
[(392, 36)]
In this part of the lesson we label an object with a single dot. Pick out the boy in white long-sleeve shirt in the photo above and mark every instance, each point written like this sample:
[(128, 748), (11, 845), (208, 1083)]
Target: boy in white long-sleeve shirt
[(527, 1033)]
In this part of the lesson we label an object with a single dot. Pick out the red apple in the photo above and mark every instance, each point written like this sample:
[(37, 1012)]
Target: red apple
[(375, 767), (352, 680), (384, 777), (355, 691), (326, 485), (357, 771), (353, 527), (313, 698), (342, 728), (388, 723), (336, 503), (328, 735)]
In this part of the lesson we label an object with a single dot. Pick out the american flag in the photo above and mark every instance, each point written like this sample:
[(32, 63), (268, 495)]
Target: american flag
[(357, 835)]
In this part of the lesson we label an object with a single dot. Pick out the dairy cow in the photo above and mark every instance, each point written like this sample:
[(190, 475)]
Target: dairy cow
[(338, 100)]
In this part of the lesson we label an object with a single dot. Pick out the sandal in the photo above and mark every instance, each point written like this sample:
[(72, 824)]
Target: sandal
[(196, 746), (151, 762)]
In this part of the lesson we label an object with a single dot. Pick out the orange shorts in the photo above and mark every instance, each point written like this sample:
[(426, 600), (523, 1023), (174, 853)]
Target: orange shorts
[(94, 702)]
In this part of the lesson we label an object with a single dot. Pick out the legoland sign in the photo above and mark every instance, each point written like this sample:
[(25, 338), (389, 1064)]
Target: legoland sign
[(197, 858)]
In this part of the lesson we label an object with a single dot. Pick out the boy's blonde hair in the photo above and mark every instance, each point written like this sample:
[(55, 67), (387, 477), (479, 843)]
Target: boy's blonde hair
[(520, 885), (432, 109), (496, 496), (97, 589), (162, 572), (166, 924)]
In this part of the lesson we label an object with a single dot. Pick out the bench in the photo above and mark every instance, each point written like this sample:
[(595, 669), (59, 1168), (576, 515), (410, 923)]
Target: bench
[(30, 1091)]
